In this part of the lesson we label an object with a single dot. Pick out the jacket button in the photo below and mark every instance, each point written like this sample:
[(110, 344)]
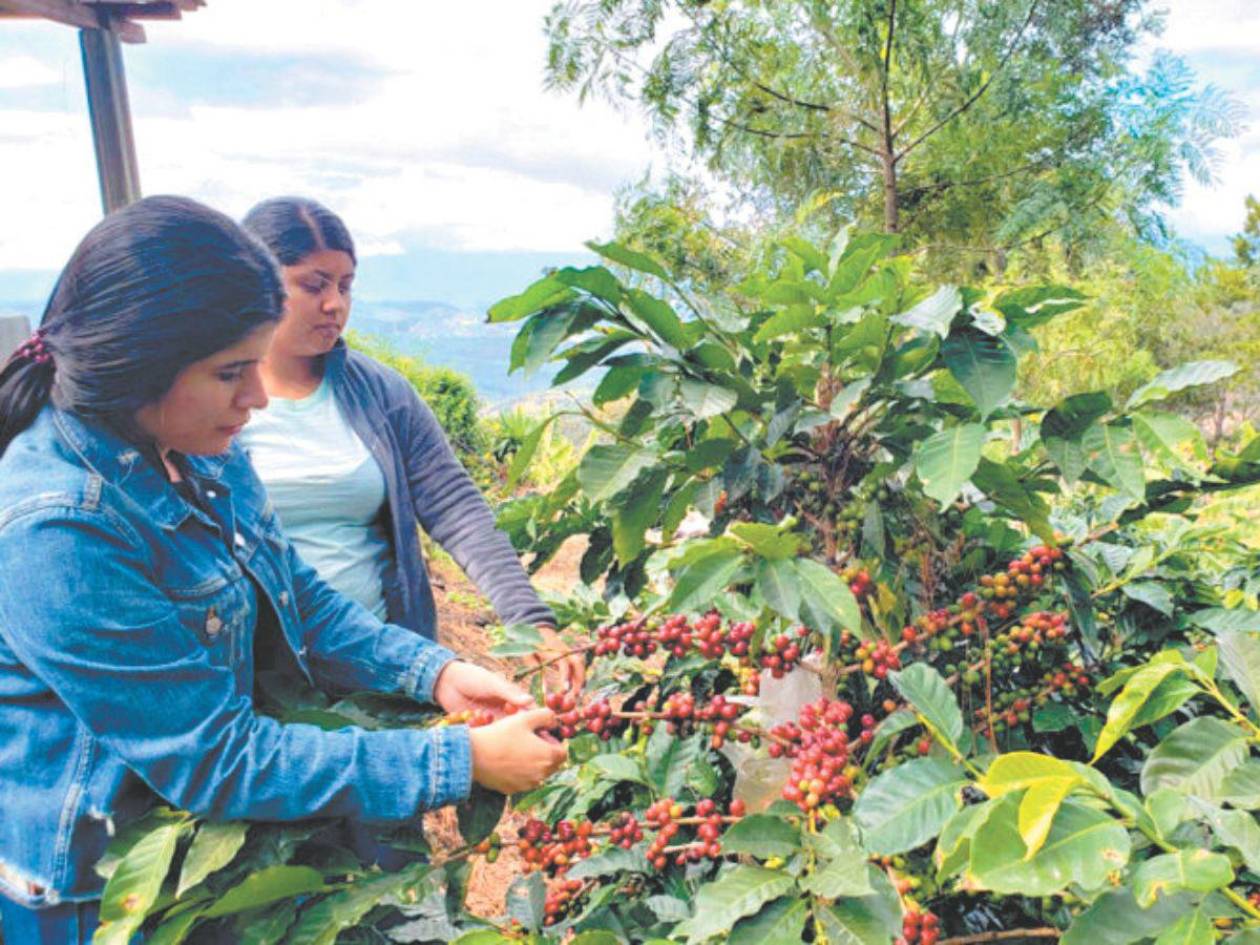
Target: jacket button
[(240, 540), (284, 598)]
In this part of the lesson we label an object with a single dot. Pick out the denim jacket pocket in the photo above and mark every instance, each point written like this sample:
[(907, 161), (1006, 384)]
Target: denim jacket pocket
[(219, 620)]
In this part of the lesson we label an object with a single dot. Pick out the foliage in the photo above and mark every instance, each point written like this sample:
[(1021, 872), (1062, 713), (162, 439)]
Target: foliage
[(947, 663), (879, 106)]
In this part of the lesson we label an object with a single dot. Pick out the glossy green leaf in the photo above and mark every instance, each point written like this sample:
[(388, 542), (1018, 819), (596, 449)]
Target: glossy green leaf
[(926, 690), (631, 259), (606, 470), (1191, 870), (984, 365), (734, 894), (544, 293), (1240, 656), (1220, 619), (1192, 374), (907, 806), (321, 922), (1126, 706), (706, 400), (660, 317), (781, 922), (1195, 758), (634, 511), (1084, 845), (1193, 928), (617, 768), (827, 604), (266, 886), (1241, 786), (699, 582), (935, 313), (1161, 434), (1115, 918), (840, 867), (946, 460), (670, 758), (789, 321), (1111, 452), (135, 884), (1045, 781), (773, 542), (479, 814), (213, 848), (762, 836), (614, 861), (869, 920)]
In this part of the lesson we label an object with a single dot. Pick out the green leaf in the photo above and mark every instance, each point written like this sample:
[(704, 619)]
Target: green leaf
[(135, 884), (935, 313), (174, 929), (1063, 427), (479, 814), (265, 886), (1192, 374), (618, 382), (708, 454), (706, 400), (1032, 306), (538, 339), (1084, 845), (617, 768), (789, 321), (736, 893), (906, 806), (614, 861), (1234, 828), (321, 922), (1193, 870), (763, 836), (1193, 928), (946, 460), (1045, 781), (660, 317), (777, 582), (1111, 452), (668, 909), (266, 926), (1219, 619), (634, 511), (596, 280), (1241, 787), (519, 639), (699, 582), (526, 899), (870, 920), (1195, 758), (544, 293), (774, 542), (1151, 593), (525, 453), (841, 868), (1125, 707), (670, 758), (781, 922), (629, 258), (597, 937), (925, 689), (984, 365), (1115, 918), (212, 849), (858, 256), (827, 604), (606, 470), (1240, 655), (1161, 433)]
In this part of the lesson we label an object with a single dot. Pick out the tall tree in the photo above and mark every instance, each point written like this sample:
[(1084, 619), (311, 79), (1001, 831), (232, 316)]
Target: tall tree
[(969, 125)]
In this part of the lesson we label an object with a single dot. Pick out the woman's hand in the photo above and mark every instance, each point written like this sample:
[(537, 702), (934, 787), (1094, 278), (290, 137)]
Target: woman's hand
[(464, 686), (508, 756), (565, 671)]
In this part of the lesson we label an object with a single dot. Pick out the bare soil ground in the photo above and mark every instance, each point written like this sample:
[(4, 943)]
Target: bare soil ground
[(463, 619)]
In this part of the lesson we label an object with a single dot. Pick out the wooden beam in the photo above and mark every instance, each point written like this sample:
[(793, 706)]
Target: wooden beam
[(75, 13), (110, 113)]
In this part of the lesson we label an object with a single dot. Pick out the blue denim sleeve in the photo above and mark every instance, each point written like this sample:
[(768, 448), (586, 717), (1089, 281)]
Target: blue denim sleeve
[(349, 648), (109, 642)]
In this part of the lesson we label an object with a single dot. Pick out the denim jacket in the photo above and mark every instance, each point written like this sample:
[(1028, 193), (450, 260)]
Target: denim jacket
[(426, 483), (126, 663)]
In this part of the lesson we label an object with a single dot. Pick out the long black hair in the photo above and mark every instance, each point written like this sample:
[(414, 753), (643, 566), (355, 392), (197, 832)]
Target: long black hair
[(150, 290), (295, 227)]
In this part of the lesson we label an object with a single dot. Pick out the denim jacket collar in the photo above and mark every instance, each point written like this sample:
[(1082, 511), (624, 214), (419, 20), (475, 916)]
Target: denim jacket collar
[(120, 463)]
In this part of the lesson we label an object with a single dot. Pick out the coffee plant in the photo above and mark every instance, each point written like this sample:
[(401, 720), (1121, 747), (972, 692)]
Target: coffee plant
[(946, 668)]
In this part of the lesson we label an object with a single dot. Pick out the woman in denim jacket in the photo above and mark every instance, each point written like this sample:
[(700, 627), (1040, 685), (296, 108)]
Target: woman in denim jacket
[(138, 559), (354, 459)]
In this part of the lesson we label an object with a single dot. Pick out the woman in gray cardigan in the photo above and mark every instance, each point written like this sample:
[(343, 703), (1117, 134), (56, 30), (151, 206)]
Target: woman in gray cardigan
[(352, 457)]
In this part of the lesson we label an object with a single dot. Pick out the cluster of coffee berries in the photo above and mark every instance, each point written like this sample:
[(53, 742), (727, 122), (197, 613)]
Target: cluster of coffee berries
[(473, 718), (919, 928), (818, 744), (632, 638), (781, 654), (713, 640), (664, 815), (1067, 680), (927, 626), (717, 716), (561, 899), (553, 851), (626, 831), (859, 581), (489, 847), (877, 659), (595, 717)]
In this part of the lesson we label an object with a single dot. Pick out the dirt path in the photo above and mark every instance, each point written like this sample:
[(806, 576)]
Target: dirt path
[(463, 619)]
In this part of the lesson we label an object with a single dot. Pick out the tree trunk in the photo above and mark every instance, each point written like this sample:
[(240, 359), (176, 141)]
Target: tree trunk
[(892, 223)]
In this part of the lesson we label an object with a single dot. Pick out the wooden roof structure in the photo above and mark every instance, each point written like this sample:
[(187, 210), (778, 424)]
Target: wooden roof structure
[(103, 25)]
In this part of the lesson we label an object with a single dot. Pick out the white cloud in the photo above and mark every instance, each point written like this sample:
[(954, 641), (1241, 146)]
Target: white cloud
[(20, 72), (1201, 25)]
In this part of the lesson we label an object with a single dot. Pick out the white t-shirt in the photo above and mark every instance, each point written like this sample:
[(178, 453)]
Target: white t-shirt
[(327, 490)]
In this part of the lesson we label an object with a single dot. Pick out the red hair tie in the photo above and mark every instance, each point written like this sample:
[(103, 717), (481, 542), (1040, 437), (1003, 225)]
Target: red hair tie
[(34, 348)]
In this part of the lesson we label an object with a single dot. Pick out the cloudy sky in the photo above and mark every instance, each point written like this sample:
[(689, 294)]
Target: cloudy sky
[(425, 124)]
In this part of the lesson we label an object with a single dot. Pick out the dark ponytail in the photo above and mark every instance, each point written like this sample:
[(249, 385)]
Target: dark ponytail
[(150, 290), (295, 227)]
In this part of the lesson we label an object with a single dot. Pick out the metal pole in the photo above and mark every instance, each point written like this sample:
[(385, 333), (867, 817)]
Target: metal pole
[(110, 112)]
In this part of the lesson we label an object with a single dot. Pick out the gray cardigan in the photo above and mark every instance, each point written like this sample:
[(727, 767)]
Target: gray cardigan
[(426, 483)]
